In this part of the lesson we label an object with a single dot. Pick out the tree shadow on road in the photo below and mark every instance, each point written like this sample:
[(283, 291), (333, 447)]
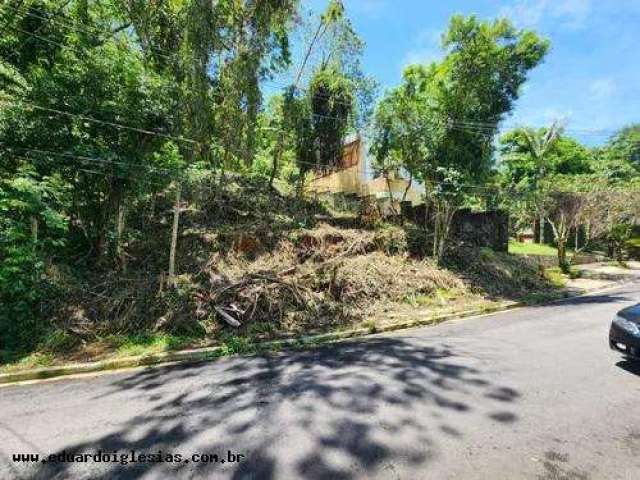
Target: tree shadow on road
[(351, 410), (631, 366), (596, 299)]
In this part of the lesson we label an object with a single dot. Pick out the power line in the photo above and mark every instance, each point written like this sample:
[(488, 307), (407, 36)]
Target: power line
[(128, 177), (170, 173), (95, 120), (95, 32), (85, 158)]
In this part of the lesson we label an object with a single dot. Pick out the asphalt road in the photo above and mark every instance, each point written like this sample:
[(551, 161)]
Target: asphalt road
[(534, 394)]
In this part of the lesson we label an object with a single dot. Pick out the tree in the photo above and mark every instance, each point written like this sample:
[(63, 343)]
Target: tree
[(536, 147), (626, 145), (527, 156), (319, 116), (331, 98), (78, 89), (571, 203), (32, 227), (452, 109), (619, 159)]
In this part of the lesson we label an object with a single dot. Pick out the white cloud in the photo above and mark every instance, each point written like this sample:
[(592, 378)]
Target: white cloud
[(426, 50), (370, 8), (531, 13), (540, 117), (602, 88)]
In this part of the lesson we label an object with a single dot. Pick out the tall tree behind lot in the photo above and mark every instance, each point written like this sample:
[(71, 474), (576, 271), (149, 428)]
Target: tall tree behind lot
[(337, 97), (71, 85), (216, 54), (334, 43), (619, 159), (456, 106)]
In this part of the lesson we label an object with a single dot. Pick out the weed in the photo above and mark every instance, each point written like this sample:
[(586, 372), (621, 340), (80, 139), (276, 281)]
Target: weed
[(555, 277), (236, 345), (370, 325)]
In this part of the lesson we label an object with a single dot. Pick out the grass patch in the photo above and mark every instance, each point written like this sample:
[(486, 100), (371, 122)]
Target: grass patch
[(558, 278), (146, 344), (439, 298), (536, 298), (555, 277), (34, 360), (520, 248), (237, 345), (634, 242), (370, 325)]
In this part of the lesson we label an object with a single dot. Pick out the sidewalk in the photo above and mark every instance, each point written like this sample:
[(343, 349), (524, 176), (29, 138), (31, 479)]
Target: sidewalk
[(603, 275)]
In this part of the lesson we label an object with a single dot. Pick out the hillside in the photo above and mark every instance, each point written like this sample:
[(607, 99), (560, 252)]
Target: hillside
[(267, 263)]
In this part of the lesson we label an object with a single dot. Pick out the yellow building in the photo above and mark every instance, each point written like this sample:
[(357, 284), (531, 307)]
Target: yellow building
[(354, 175)]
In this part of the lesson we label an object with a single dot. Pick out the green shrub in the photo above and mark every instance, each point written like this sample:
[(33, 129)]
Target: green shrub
[(31, 228)]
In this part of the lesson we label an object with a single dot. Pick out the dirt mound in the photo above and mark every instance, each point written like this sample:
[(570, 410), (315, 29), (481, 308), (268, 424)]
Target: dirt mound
[(316, 277), (252, 258)]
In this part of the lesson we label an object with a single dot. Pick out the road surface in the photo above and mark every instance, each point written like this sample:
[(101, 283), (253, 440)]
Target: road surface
[(533, 393)]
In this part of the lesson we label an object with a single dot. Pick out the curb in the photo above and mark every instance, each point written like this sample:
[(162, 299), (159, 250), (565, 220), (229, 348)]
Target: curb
[(213, 353)]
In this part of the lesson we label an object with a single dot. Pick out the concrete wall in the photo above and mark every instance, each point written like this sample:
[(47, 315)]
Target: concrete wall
[(341, 181), (354, 175)]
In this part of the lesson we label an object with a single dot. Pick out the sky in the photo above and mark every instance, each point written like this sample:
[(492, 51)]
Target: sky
[(590, 79)]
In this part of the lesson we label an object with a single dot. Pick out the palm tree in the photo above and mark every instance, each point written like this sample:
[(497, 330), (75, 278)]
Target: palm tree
[(538, 143)]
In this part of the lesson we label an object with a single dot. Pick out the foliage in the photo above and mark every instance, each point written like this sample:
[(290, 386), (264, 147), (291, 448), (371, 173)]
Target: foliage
[(32, 228), (619, 159), (619, 236), (441, 121), (520, 166), (626, 145), (587, 203), (331, 97)]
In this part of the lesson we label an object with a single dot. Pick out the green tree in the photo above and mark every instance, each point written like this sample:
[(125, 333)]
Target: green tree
[(32, 228), (456, 106), (528, 156), (67, 120), (619, 159)]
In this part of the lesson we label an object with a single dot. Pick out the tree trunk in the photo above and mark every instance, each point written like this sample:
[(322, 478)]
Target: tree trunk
[(392, 209), (276, 161), (121, 258), (436, 230), (34, 231), (174, 237), (406, 190), (541, 232), (446, 218), (562, 255)]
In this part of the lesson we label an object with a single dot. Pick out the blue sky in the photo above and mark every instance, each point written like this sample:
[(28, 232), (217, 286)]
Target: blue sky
[(590, 78)]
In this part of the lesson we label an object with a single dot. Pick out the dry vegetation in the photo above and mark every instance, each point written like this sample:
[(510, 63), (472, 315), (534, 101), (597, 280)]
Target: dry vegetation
[(254, 262)]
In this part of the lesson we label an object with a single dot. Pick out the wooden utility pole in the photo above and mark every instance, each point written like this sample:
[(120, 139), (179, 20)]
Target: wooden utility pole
[(174, 236)]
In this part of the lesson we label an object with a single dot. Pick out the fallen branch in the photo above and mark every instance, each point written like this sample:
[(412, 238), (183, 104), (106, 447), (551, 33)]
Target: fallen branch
[(228, 318)]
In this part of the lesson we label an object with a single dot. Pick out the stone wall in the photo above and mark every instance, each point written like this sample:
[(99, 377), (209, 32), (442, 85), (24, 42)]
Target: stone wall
[(481, 229)]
